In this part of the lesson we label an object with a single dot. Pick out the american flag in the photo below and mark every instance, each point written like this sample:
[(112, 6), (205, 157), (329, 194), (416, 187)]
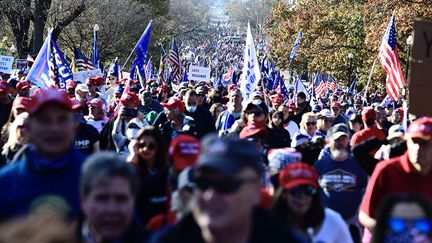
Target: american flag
[(389, 57), (331, 84), (321, 89), (227, 75), (82, 62), (174, 59)]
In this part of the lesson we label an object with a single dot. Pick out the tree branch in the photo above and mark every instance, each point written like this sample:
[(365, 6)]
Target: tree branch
[(66, 21)]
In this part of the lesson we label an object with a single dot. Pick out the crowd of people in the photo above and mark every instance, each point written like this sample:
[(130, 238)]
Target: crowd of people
[(112, 160)]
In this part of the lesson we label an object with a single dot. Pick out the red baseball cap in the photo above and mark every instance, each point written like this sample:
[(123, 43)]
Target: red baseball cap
[(75, 104), (71, 84), (4, 87), (297, 174), (47, 96), (21, 103), (96, 102), (420, 128), (23, 85), (369, 113), (252, 131), (129, 98), (184, 151), (174, 103)]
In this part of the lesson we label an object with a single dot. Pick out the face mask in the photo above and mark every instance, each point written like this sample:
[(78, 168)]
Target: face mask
[(131, 133), (191, 109)]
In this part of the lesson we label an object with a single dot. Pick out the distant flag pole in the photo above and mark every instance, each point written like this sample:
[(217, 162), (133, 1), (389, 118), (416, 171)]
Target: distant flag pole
[(95, 54)]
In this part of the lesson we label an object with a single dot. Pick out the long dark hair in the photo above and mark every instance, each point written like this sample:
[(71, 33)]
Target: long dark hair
[(386, 208), (313, 218), (161, 148)]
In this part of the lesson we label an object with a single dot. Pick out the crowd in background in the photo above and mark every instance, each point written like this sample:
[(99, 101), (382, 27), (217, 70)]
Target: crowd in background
[(132, 162)]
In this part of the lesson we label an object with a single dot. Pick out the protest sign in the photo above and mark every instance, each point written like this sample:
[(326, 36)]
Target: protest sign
[(198, 73), (83, 75), (6, 63), (420, 83)]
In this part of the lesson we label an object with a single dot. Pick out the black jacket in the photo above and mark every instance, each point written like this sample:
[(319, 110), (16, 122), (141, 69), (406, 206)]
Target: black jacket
[(203, 120), (265, 229)]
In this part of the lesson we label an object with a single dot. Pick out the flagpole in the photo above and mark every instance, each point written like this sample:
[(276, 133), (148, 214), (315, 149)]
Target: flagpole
[(370, 76), (135, 47)]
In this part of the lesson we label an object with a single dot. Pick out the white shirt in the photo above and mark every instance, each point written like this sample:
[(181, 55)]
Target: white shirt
[(333, 229), (292, 128), (97, 124)]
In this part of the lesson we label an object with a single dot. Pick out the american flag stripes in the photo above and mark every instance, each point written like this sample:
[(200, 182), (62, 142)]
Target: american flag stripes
[(82, 62), (331, 84), (389, 57), (174, 59)]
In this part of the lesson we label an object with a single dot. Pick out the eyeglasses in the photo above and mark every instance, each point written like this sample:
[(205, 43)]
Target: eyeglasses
[(225, 186), (149, 146), (398, 225), (304, 189), (310, 123)]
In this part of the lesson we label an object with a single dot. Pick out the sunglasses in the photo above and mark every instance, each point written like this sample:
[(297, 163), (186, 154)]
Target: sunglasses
[(256, 113), (310, 123), (149, 146), (305, 190), (398, 225), (224, 186), (328, 120)]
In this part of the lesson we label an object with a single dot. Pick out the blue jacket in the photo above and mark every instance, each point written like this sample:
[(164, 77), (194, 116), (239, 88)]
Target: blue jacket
[(21, 184)]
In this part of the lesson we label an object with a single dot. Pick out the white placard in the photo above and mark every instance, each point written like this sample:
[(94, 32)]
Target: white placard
[(6, 63), (198, 73), (83, 75)]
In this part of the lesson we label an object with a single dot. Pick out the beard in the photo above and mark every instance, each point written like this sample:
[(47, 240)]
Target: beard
[(339, 154)]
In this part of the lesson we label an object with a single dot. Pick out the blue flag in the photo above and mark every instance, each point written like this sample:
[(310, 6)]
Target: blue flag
[(141, 49), (234, 78), (95, 52), (185, 77), (352, 88), (39, 73), (50, 67), (296, 44), (62, 71), (276, 81)]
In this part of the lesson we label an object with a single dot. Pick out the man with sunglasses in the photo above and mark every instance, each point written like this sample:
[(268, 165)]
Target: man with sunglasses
[(410, 173), (341, 178), (227, 195)]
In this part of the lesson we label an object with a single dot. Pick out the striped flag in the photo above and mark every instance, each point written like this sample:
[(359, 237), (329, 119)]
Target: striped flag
[(174, 59), (331, 84), (82, 62), (227, 75), (161, 76), (389, 57), (296, 44), (321, 89)]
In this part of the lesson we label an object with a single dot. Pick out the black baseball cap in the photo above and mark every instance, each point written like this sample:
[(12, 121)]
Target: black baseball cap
[(229, 156)]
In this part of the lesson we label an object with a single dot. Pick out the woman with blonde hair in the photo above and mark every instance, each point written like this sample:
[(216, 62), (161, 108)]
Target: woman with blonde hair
[(18, 137), (306, 140)]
